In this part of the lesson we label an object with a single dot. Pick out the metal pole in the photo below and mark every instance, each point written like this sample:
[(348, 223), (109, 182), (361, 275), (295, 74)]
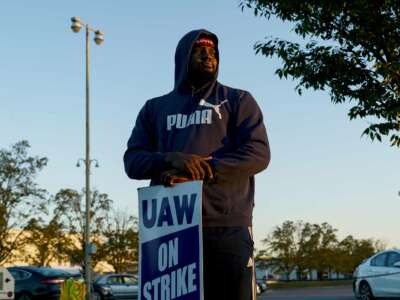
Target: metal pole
[(88, 268)]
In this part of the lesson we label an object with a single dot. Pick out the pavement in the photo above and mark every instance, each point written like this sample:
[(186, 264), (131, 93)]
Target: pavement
[(310, 293)]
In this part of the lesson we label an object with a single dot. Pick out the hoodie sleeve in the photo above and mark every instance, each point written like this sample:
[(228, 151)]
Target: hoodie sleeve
[(141, 159), (251, 153)]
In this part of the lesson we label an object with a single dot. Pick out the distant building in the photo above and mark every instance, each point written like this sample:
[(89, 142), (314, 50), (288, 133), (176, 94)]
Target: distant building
[(267, 267), (19, 258)]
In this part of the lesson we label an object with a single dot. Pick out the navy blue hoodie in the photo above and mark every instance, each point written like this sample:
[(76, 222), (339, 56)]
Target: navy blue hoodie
[(217, 121)]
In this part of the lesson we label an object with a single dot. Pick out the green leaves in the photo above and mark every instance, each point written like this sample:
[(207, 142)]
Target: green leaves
[(20, 196), (351, 48), (304, 246), (120, 244), (352, 252), (70, 210), (48, 241), (41, 228)]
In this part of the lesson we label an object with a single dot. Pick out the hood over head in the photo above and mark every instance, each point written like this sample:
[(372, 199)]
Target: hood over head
[(182, 56)]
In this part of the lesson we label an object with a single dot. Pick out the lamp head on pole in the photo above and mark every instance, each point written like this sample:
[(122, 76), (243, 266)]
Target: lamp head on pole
[(76, 24), (99, 37)]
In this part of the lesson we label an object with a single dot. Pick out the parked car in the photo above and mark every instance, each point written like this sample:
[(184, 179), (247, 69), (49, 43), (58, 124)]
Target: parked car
[(261, 285), (378, 276), (258, 289), (76, 273), (34, 283), (116, 286), (7, 285)]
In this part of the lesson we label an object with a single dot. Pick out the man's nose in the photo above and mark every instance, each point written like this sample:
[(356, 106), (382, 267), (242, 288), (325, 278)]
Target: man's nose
[(205, 54)]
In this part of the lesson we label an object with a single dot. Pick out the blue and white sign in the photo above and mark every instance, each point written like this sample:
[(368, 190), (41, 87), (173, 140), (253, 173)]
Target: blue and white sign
[(170, 240)]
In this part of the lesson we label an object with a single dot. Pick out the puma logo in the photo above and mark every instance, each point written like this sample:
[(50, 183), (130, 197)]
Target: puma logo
[(215, 107), (181, 121)]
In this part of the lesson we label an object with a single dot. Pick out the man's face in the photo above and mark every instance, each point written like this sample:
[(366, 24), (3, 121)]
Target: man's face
[(203, 61)]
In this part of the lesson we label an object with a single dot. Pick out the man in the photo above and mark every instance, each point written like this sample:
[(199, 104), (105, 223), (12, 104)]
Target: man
[(203, 130)]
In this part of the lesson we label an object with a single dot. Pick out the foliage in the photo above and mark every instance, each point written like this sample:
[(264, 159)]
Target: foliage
[(120, 248), (319, 247), (53, 227), (352, 252), (302, 247), (20, 196), (284, 242), (351, 48), (49, 240), (71, 211)]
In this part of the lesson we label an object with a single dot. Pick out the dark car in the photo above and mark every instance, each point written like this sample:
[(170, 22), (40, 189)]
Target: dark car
[(116, 286), (34, 283), (261, 285)]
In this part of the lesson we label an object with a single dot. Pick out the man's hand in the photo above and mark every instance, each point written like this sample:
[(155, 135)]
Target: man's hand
[(173, 176), (195, 165)]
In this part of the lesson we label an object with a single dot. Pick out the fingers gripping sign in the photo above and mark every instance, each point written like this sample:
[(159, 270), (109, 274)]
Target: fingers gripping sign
[(195, 166), (173, 176)]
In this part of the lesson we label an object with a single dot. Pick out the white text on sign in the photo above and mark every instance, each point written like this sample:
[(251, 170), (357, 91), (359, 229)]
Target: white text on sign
[(160, 214), (175, 284)]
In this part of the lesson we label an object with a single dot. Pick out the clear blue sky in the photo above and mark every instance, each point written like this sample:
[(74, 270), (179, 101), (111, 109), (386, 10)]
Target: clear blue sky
[(321, 169)]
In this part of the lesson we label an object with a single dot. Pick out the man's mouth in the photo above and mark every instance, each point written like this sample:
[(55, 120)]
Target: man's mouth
[(207, 65)]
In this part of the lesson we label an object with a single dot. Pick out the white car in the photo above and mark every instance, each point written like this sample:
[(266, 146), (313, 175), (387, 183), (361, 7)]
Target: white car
[(7, 285), (378, 276)]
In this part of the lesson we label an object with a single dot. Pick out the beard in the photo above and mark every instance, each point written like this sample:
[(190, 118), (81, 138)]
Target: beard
[(206, 75), (201, 76)]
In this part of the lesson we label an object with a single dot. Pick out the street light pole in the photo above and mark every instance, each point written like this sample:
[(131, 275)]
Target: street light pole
[(76, 26), (88, 265)]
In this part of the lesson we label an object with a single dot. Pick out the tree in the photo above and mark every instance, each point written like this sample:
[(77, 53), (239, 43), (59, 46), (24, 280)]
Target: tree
[(319, 248), (49, 241), (283, 243), (71, 212), (120, 248), (303, 247), (47, 237), (20, 196), (351, 48), (351, 252), (304, 254)]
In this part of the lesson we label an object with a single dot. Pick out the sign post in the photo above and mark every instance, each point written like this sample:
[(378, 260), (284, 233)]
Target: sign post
[(170, 242)]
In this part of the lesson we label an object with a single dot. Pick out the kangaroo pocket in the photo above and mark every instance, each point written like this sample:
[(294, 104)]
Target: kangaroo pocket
[(234, 198)]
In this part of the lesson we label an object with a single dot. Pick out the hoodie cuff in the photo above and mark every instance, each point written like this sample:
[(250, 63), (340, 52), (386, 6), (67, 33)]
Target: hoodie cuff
[(161, 164)]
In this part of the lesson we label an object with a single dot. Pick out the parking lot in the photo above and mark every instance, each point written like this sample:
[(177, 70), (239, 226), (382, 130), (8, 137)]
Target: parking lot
[(312, 293)]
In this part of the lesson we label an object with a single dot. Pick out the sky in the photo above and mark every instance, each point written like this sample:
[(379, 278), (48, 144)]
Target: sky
[(321, 170)]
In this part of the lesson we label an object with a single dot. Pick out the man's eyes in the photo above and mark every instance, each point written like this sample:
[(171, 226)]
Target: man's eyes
[(210, 51), (213, 52)]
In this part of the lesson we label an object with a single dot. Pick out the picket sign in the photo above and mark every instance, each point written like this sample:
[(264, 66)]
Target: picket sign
[(170, 242), (72, 290)]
